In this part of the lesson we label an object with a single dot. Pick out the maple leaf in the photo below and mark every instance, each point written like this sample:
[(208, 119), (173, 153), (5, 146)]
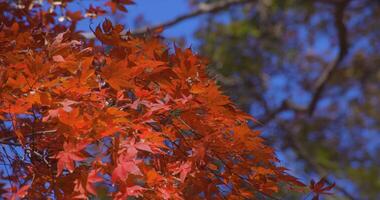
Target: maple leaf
[(158, 107), (58, 58), (84, 185), (183, 170), (118, 5), (93, 12), (127, 164), (169, 193), (109, 131), (210, 94), (133, 191), (124, 168), (107, 26), (322, 187), (117, 75), (165, 194), (67, 105), (138, 102), (70, 154), (153, 177), (17, 193), (92, 178), (74, 16), (87, 185), (184, 99), (131, 146), (74, 119), (112, 36)]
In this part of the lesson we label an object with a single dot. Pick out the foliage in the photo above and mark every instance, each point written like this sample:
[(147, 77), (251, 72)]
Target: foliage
[(129, 116), (269, 56), (320, 188)]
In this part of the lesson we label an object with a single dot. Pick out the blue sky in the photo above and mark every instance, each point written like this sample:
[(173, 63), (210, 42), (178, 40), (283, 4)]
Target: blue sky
[(155, 12)]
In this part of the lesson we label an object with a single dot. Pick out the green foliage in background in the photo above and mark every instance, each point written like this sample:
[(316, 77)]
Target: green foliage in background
[(268, 55)]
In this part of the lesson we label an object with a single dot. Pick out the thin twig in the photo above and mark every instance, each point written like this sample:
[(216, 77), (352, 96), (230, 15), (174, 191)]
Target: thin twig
[(321, 82), (202, 9), (6, 140)]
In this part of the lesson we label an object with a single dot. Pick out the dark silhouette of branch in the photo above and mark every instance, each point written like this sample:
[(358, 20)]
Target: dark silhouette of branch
[(269, 116), (202, 9), (7, 140), (343, 49), (326, 75), (321, 82)]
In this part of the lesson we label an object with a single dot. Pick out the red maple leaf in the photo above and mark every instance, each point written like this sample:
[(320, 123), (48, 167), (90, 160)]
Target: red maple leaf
[(183, 170), (127, 164), (70, 154), (93, 12), (15, 193), (133, 191), (118, 5), (322, 187)]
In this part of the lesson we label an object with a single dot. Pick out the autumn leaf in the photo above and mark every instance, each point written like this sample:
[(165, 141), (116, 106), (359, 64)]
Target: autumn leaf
[(183, 170), (132, 146), (107, 26), (118, 5), (17, 193), (123, 169), (127, 164), (153, 177), (133, 191), (322, 187), (113, 37), (94, 12), (58, 58), (92, 178), (117, 75), (74, 16), (120, 114), (71, 153)]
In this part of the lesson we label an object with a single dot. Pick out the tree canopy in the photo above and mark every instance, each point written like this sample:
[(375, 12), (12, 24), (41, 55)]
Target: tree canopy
[(119, 116)]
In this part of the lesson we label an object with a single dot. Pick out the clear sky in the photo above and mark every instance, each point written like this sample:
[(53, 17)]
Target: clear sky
[(158, 11)]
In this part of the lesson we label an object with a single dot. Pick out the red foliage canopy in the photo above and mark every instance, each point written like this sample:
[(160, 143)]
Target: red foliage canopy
[(135, 118)]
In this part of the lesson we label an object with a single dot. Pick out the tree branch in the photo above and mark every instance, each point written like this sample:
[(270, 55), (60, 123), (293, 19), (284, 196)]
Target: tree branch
[(343, 49), (320, 85), (270, 116), (326, 75), (6, 140), (202, 9)]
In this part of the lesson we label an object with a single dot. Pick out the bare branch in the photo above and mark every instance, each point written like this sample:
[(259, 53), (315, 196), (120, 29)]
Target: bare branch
[(320, 85), (7, 140), (270, 116), (343, 49), (202, 9), (326, 75)]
